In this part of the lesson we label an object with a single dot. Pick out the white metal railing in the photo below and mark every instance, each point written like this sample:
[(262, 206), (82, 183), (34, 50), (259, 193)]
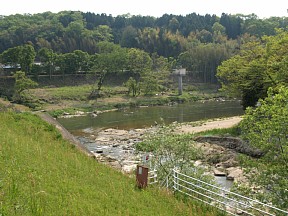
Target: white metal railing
[(218, 197), (226, 200), (152, 176)]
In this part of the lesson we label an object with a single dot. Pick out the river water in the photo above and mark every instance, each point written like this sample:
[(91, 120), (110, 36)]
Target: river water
[(146, 116), (134, 118)]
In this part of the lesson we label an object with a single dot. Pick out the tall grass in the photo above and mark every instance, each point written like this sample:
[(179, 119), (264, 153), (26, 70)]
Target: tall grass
[(233, 131), (41, 174)]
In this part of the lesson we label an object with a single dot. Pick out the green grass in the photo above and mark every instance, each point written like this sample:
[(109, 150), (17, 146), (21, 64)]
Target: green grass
[(78, 93), (233, 131), (69, 93), (41, 174)]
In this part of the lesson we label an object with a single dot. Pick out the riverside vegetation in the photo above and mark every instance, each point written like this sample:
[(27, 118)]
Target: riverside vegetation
[(42, 174)]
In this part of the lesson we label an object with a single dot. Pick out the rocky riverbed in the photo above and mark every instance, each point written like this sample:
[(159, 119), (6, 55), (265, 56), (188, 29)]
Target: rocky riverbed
[(117, 148)]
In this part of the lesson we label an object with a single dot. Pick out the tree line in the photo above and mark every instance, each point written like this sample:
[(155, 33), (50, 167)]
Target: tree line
[(109, 57), (67, 31), (64, 41)]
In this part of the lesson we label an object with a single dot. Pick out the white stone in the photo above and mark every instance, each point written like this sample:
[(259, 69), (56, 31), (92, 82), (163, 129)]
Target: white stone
[(197, 163)]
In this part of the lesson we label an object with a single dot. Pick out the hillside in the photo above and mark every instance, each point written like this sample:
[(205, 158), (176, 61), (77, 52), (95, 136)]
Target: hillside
[(41, 174)]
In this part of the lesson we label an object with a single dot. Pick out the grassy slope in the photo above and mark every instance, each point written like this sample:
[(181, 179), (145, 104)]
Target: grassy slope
[(41, 174)]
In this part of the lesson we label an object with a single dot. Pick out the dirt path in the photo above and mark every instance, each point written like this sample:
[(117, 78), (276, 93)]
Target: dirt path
[(221, 123)]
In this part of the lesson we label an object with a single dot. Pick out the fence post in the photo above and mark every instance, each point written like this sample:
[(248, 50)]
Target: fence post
[(155, 175), (167, 181), (176, 181)]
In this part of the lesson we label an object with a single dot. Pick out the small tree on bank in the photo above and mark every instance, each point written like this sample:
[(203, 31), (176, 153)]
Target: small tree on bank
[(22, 83), (133, 87)]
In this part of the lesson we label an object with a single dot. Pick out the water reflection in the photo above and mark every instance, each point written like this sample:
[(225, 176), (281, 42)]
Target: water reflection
[(147, 116)]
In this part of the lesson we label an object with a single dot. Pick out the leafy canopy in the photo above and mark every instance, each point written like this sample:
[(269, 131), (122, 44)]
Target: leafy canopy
[(258, 66), (266, 128)]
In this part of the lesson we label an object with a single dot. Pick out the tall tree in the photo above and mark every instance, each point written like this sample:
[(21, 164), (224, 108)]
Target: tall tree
[(26, 57), (266, 128), (23, 55), (138, 61), (11, 56), (47, 58)]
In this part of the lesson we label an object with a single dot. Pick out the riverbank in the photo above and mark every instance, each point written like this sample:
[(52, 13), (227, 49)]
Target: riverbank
[(42, 174), (209, 125), (70, 99)]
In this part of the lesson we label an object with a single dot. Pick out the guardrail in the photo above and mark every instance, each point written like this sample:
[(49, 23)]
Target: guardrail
[(230, 202)]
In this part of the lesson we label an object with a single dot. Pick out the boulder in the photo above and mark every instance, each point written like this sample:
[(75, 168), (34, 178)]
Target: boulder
[(97, 156), (234, 172), (111, 158), (94, 115), (79, 113), (228, 163), (218, 172)]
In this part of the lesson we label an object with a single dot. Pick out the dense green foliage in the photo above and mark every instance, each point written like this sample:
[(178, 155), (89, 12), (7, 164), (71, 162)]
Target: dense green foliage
[(67, 31), (41, 174), (66, 41), (266, 128), (23, 55), (258, 66)]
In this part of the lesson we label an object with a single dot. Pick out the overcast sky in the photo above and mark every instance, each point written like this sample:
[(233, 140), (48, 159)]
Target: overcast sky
[(156, 8)]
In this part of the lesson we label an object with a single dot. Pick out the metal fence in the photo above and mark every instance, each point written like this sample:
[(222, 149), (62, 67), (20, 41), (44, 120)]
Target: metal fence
[(152, 177), (230, 202)]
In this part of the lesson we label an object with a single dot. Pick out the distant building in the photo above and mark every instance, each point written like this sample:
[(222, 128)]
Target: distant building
[(7, 70)]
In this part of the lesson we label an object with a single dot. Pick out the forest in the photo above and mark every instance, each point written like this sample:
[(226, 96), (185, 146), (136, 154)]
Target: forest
[(71, 41)]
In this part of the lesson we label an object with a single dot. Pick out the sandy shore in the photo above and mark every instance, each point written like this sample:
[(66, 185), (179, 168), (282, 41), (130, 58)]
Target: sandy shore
[(221, 123)]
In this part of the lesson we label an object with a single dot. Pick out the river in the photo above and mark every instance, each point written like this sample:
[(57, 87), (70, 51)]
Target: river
[(83, 127), (146, 116)]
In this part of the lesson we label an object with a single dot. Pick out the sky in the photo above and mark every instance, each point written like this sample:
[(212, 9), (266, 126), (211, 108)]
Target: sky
[(156, 8)]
